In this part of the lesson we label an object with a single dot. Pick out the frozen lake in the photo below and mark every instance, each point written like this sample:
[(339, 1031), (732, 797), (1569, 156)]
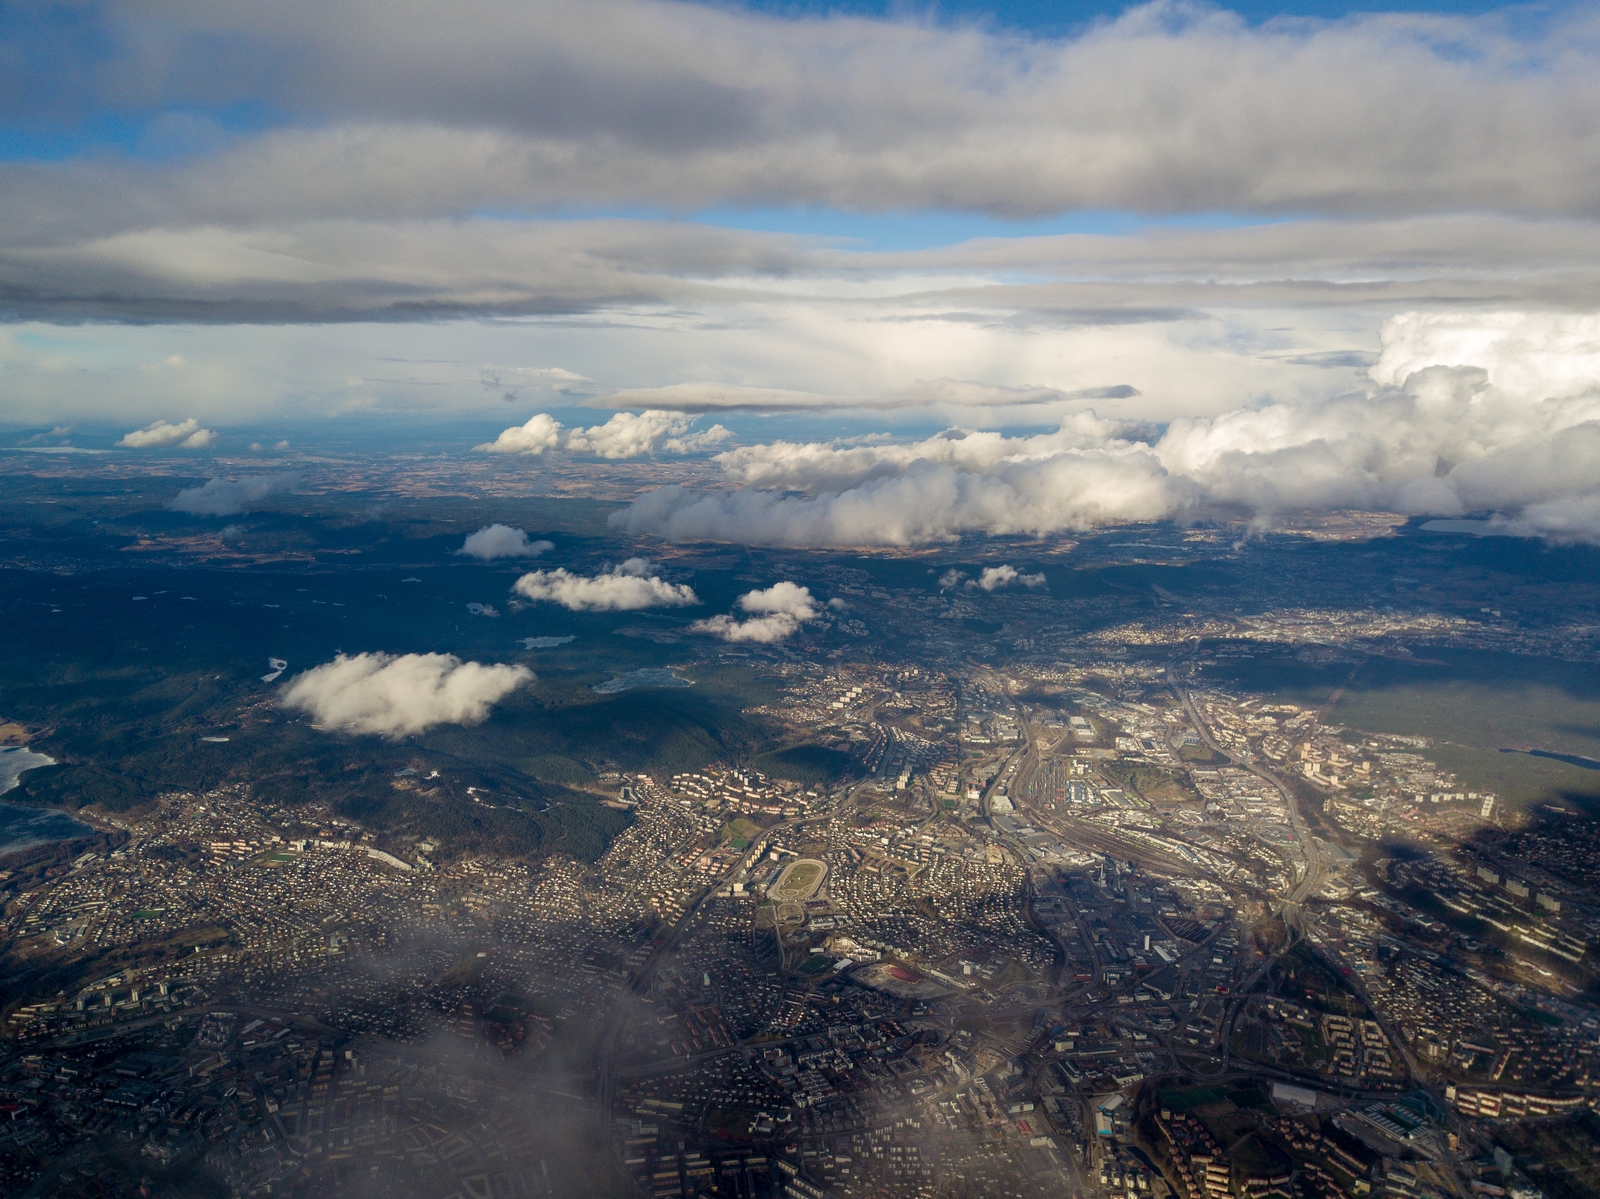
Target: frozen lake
[(650, 676), (21, 826)]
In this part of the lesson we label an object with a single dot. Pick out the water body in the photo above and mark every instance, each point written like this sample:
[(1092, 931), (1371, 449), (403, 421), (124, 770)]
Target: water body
[(20, 826), (1570, 759), (649, 676), (1478, 528)]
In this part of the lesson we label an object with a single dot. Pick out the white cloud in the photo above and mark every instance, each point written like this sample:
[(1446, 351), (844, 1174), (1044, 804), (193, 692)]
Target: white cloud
[(763, 630), (502, 541), (625, 588), (994, 578), (951, 578), (625, 435), (780, 610), (228, 497), (926, 502), (788, 598), (1509, 422), (1542, 355), (394, 696), (187, 435), (542, 432), (825, 466), (1569, 520)]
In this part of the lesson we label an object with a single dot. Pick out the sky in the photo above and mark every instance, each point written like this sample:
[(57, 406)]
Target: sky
[(896, 217)]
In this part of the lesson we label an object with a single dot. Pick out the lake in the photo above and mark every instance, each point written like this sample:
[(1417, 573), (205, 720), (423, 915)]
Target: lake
[(21, 826)]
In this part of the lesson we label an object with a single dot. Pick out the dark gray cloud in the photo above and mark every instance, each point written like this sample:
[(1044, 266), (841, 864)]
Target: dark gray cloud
[(359, 270), (405, 270), (1170, 108)]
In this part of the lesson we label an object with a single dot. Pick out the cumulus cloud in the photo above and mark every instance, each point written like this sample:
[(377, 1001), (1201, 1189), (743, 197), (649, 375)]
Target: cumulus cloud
[(625, 435), (886, 496), (186, 435), (1508, 422), (396, 695), (779, 611), (228, 497), (624, 588), (541, 433), (994, 578), (951, 578), (502, 541), (788, 598)]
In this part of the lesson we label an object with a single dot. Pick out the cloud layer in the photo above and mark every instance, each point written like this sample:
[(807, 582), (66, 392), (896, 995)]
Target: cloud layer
[(360, 196), (779, 611), (229, 497), (394, 696), (625, 435), (615, 102), (502, 541), (625, 588), (1463, 415)]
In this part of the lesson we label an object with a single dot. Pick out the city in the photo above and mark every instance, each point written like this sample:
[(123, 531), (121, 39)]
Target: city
[(1092, 921)]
